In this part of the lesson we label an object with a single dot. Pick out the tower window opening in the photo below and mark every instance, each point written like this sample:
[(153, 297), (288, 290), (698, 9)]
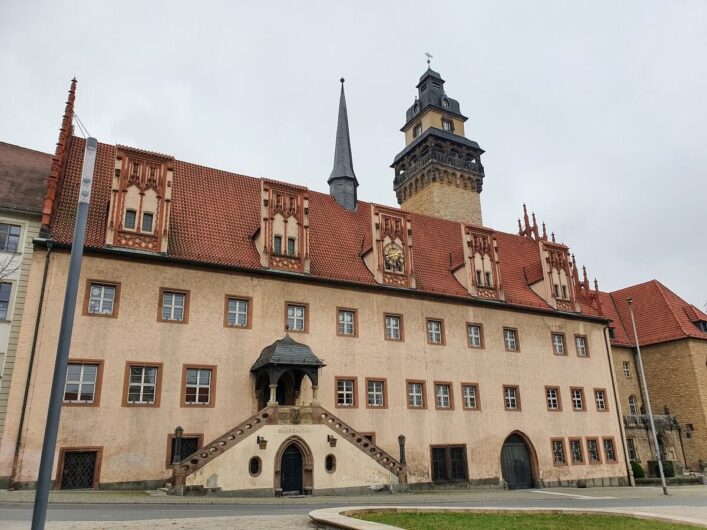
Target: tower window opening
[(417, 130), (445, 103), (447, 125)]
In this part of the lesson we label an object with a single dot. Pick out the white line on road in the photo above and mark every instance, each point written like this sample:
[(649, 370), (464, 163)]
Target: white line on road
[(571, 495)]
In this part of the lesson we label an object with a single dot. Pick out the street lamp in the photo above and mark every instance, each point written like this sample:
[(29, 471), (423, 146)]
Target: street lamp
[(647, 399)]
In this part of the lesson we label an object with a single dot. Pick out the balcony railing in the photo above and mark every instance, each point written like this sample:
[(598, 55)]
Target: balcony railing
[(641, 421), (442, 157)]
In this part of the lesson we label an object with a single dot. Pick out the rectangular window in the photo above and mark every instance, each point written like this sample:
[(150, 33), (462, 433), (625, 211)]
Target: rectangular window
[(577, 398), (556, 289), (142, 385), (291, 246), (81, 383), (479, 278), (470, 396), (147, 222), (489, 280), (417, 130), (277, 245), (237, 312), (435, 331), (558, 452), (173, 305), (564, 292), (581, 343), (552, 396), (101, 299), (190, 444), (443, 395), (416, 395), (600, 399), (576, 451), (447, 125), (347, 323), (376, 393), (510, 337), (9, 237), (297, 317), (5, 290), (558, 344), (474, 335), (198, 386), (130, 217), (511, 397), (449, 463), (627, 369), (593, 451), (632, 453), (393, 327), (345, 392), (609, 451)]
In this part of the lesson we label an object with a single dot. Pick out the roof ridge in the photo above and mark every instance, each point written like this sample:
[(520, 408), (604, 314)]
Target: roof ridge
[(26, 149), (661, 289)]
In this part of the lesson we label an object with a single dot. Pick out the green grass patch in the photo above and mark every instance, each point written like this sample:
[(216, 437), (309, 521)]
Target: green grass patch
[(498, 521)]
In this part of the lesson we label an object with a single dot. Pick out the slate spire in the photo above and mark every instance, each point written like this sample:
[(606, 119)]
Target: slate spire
[(342, 181)]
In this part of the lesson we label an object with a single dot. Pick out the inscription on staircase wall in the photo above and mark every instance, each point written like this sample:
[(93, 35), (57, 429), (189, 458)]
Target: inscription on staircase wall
[(294, 430)]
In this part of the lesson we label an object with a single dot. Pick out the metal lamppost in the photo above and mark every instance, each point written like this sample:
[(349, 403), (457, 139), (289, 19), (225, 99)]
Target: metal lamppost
[(647, 399), (44, 479), (178, 433)]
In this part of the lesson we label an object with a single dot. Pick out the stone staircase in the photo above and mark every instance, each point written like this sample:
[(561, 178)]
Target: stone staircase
[(313, 414)]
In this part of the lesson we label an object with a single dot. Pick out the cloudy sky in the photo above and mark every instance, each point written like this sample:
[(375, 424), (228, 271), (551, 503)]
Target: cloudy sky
[(594, 113)]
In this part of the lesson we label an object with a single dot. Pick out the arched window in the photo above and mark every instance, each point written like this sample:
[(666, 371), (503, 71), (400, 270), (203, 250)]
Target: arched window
[(255, 466), (330, 463), (633, 405)]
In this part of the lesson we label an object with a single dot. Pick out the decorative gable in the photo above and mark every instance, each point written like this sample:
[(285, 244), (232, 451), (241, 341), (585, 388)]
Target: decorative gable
[(140, 203), (479, 271), (389, 257), (283, 239)]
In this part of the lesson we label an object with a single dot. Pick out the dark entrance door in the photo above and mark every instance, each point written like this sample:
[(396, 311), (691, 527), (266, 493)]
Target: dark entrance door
[(79, 470), (291, 471), (515, 463)]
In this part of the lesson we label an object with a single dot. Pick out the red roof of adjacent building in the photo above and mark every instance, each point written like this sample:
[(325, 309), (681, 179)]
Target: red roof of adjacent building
[(23, 177)]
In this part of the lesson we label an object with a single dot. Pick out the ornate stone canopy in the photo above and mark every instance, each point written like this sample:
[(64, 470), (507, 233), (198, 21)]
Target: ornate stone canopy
[(285, 355)]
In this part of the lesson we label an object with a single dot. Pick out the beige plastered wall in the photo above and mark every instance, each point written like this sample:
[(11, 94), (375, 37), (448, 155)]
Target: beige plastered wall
[(134, 439)]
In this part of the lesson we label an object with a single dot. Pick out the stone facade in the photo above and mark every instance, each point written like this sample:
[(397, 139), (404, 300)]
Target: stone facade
[(446, 200)]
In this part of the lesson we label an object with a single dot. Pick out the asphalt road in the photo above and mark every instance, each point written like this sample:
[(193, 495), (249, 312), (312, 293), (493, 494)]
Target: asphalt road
[(10, 511)]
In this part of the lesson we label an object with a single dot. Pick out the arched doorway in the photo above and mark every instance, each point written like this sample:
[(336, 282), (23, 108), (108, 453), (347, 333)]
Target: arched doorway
[(518, 463), (294, 466)]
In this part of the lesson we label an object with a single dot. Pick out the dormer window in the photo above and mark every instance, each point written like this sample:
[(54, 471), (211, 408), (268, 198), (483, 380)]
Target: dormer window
[(277, 245), (416, 108), (291, 246), (130, 217), (147, 222), (701, 325), (447, 125), (417, 130), (445, 103)]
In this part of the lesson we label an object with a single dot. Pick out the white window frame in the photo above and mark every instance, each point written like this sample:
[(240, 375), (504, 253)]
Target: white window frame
[(169, 303), (473, 334), (633, 408), (553, 402), (577, 396), (347, 322), (81, 383), (600, 400), (443, 396), (393, 327), (416, 395), (581, 343), (627, 369), (470, 396), (101, 299), (240, 309), (510, 397), (142, 385), (510, 338), (345, 393), (558, 344), (434, 331), (296, 317), (375, 393), (198, 385)]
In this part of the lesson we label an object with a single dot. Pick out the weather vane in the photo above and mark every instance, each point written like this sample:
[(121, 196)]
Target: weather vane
[(429, 56)]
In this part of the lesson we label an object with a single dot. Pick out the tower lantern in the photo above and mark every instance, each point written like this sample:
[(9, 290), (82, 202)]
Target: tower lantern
[(439, 172)]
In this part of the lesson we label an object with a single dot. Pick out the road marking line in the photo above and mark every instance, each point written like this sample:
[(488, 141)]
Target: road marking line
[(571, 495)]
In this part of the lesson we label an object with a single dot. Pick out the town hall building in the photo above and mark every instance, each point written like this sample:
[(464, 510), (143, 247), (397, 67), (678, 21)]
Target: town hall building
[(250, 336)]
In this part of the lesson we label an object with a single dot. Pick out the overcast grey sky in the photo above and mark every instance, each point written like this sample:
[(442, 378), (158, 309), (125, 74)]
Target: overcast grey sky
[(594, 113)]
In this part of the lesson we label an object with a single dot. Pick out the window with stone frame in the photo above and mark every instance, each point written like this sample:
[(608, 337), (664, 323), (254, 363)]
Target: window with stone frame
[(130, 219), (449, 463), (277, 245), (577, 395), (347, 322), (416, 394), (101, 298), (190, 444), (174, 304), (470, 396), (435, 331), (510, 339), (198, 386), (5, 290), (237, 312), (633, 408), (576, 453), (416, 130), (376, 393), (291, 246), (9, 237), (593, 454), (600, 399), (627, 369), (81, 383), (447, 125), (393, 327), (580, 342), (443, 395), (631, 446), (558, 452), (345, 392), (474, 335), (142, 385), (511, 397), (558, 344), (296, 317), (147, 219), (609, 450), (552, 397)]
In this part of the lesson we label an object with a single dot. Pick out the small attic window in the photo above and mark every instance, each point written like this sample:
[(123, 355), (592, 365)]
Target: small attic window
[(416, 108), (612, 333), (701, 325), (436, 84), (445, 102), (417, 130)]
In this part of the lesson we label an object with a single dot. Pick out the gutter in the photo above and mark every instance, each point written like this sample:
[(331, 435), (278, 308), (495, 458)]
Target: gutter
[(18, 443)]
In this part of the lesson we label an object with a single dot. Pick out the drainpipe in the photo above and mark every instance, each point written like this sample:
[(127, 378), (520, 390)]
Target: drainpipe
[(18, 443), (617, 406)]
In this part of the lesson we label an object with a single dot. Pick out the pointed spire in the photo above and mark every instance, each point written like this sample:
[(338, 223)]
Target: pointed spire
[(544, 232), (342, 181), (526, 220), (535, 228), (520, 228), (553, 238)]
